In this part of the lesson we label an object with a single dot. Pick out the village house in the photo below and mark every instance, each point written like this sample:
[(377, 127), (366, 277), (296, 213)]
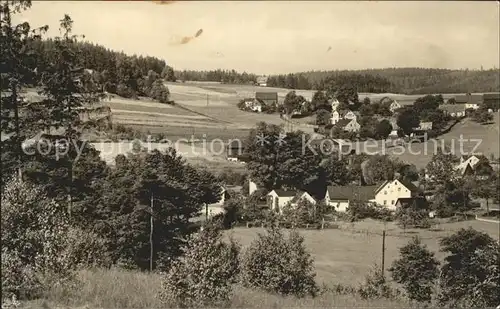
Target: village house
[(234, 150), (470, 101), (218, 207), (394, 106), (424, 126), (254, 105), (348, 125), (473, 166), (277, 199), (339, 197), (453, 110), (262, 81), (302, 196), (344, 114), (418, 202), (335, 104), (267, 98), (252, 186), (391, 190), (492, 100)]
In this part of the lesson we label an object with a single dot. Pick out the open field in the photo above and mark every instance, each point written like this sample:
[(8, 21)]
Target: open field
[(122, 289), (341, 257), (221, 119), (344, 257)]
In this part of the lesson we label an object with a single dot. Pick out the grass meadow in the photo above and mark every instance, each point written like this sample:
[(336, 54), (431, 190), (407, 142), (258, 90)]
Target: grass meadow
[(342, 256)]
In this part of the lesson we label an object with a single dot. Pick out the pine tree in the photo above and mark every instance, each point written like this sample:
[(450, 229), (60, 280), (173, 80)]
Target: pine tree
[(17, 65), (70, 98)]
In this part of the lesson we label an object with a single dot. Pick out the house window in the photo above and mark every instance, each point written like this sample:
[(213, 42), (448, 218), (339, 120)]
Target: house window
[(399, 188), (385, 202), (392, 202), (385, 192)]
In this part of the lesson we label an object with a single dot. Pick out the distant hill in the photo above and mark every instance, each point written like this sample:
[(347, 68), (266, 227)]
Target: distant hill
[(418, 80), (395, 80)]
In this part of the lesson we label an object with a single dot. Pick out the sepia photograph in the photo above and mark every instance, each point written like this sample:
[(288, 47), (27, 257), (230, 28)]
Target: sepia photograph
[(250, 154)]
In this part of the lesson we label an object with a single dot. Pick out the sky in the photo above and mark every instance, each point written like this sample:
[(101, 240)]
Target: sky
[(267, 37)]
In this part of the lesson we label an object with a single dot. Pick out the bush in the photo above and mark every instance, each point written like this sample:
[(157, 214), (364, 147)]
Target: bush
[(278, 265), (34, 241), (376, 286), (203, 275), (361, 210), (125, 91)]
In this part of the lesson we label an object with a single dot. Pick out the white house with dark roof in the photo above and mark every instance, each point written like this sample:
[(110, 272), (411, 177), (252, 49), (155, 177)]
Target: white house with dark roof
[(302, 196), (348, 125), (394, 106), (390, 191), (339, 197), (277, 199)]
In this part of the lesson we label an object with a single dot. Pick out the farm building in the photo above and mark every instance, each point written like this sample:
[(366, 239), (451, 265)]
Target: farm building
[(424, 126), (394, 106), (267, 98), (453, 110), (262, 81), (277, 199), (471, 101), (339, 197), (492, 100), (391, 190), (418, 202), (234, 150), (349, 125)]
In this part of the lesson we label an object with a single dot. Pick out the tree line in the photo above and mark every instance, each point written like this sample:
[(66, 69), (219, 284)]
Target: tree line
[(395, 80), (223, 76), (129, 76)]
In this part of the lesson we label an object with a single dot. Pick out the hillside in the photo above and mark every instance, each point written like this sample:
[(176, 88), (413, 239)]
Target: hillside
[(422, 80), (397, 80)]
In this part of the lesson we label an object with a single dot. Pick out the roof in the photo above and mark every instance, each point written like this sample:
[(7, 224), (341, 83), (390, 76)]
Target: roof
[(262, 79), (491, 96), (419, 202), (284, 193), (408, 184), (452, 108), (351, 192), (469, 99), (299, 195), (266, 95), (343, 122)]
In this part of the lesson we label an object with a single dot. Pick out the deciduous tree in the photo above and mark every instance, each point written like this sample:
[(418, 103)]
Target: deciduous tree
[(416, 269)]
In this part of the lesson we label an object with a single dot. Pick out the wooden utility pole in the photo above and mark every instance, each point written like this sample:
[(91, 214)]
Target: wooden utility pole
[(383, 252), (151, 237), (206, 211), (19, 142)]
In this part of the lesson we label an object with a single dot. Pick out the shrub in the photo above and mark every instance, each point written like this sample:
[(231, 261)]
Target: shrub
[(86, 249), (361, 210), (125, 91), (34, 241), (417, 270), (202, 276), (279, 265), (376, 286)]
